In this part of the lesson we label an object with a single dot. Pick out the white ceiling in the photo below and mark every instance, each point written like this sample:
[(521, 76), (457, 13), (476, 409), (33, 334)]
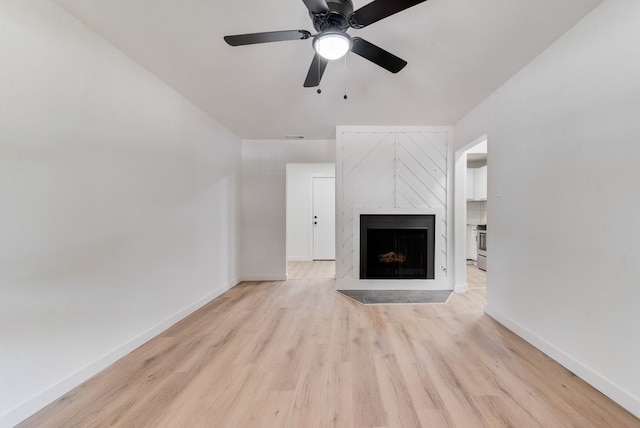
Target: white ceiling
[(459, 51)]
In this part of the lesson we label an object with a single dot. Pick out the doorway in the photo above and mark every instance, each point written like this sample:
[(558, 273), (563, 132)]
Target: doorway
[(310, 220), (470, 211)]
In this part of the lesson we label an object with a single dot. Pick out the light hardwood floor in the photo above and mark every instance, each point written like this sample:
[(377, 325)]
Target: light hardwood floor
[(311, 269), (476, 278), (298, 354)]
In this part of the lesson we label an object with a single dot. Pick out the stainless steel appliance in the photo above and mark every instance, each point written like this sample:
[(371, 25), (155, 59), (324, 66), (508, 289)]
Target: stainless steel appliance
[(482, 247)]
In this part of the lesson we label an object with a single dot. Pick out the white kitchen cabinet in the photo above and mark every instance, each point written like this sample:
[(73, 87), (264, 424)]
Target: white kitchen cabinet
[(480, 183), (470, 174), (477, 184)]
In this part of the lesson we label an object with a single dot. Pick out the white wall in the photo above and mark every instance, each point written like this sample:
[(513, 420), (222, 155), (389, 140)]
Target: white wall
[(299, 203), (264, 200), (118, 205), (562, 255)]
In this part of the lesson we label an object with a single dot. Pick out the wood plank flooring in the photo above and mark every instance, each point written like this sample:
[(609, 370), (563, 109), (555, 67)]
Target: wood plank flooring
[(311, 269), (476, 278), (298, 354)]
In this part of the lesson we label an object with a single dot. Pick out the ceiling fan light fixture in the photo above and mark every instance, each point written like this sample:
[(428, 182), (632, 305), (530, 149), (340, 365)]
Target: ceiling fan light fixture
[(332, 44)]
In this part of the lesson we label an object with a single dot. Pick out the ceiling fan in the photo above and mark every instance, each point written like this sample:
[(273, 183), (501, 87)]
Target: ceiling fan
[(332, 19)]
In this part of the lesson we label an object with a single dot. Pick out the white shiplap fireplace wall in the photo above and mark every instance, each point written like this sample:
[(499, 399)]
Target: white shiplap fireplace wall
[(391, 170)]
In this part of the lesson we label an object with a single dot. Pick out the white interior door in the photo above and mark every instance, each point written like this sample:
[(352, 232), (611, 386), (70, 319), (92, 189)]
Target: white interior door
[(324, 218)]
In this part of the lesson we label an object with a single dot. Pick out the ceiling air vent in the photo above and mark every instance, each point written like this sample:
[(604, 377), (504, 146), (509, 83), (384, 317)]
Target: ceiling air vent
[(294, 137)]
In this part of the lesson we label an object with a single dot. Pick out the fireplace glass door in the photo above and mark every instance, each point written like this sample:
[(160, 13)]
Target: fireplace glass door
[(397, 247)]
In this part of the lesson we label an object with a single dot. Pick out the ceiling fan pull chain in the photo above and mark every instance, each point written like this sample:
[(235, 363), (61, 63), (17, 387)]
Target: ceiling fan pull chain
[(345, 77), (319, 91)]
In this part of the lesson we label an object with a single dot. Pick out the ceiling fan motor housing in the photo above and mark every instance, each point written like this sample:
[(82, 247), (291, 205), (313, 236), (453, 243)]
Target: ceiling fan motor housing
[(336, 18)]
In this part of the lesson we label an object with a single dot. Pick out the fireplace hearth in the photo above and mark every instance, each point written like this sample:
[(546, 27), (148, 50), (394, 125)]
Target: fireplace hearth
[(398, 246)]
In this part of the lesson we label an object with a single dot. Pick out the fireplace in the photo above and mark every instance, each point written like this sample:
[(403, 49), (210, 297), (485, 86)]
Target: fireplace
[(397, 246)]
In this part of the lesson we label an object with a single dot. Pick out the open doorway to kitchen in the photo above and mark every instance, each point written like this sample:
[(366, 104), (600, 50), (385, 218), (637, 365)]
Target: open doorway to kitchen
[(310, 220), (471, 215)]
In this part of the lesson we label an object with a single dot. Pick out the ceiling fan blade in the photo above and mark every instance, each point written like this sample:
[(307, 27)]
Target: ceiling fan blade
[(267, 37), (377, 55), (379, 9), (318, 65), (316, 6)]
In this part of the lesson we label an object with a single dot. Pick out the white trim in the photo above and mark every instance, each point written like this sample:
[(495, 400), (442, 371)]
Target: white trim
[(30, 406), (339, 195), (450, 212), (459, 255), (366, 128), (619, 395), (461, 288)]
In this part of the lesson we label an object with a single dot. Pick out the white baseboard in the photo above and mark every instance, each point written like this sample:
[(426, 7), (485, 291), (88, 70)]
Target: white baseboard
[(30, 406), (619, 395), (264, 278), (461, 288)]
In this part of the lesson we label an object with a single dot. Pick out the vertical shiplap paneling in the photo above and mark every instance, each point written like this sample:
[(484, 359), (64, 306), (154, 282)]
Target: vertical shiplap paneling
[(389, 170)]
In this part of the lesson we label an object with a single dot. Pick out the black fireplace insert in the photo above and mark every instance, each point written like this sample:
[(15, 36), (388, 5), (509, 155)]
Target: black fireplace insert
[(397, 246)]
